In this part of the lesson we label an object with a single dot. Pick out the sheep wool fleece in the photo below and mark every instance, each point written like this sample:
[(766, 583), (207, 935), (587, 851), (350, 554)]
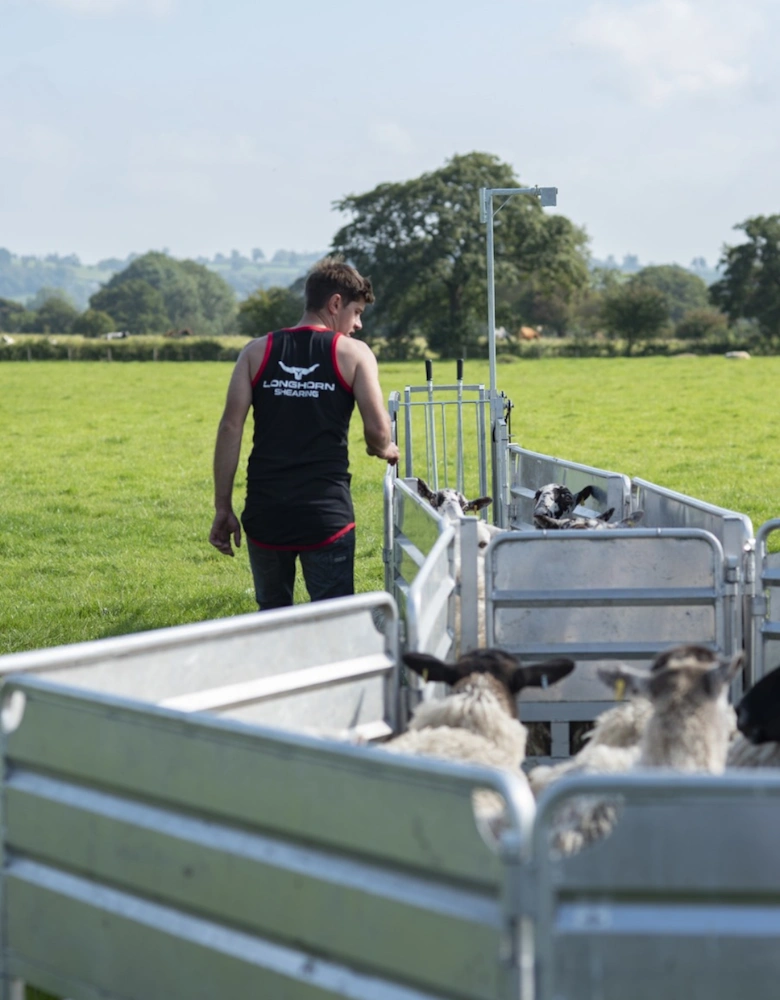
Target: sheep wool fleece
[(298, 480)]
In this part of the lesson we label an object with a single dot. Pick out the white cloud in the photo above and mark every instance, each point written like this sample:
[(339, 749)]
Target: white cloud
[(391, 137), (673, 48)]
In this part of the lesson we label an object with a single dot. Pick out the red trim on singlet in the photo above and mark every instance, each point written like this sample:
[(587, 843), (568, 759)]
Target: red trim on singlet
[(344, 384), (269, 341), (304, 548)]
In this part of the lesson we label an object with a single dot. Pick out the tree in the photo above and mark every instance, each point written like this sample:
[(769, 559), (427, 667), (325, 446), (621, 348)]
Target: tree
[(425, 249), (135, 305), (635, 311), (750, 287), (12, 315), (684, 291), (54, 316), (46, 294), (702, 324), (93, 323), (191, 295), (269, 309)]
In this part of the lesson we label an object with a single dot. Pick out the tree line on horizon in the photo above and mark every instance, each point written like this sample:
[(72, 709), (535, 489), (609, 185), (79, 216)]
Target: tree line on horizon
[(424, 247)]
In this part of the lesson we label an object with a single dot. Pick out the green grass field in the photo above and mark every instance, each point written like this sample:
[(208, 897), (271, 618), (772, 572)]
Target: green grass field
[(105, 480)]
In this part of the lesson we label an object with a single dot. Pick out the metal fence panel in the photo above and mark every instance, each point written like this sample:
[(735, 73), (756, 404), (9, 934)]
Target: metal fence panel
[(764, 604), (598, 597), (151, 854), (664, 508), (324, 666), (530, 471), (682, 898)]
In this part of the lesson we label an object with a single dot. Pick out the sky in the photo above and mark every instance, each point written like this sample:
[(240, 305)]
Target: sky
[(203, 127)]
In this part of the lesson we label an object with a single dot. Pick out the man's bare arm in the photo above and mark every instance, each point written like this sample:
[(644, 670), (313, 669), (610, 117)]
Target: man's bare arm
[(226, 455), (368, 395)]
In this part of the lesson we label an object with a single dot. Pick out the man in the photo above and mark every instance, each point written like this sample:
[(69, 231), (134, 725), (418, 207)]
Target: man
[(302, 383)]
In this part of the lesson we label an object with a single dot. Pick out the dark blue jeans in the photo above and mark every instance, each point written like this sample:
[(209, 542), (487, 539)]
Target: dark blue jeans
[(328, 572)]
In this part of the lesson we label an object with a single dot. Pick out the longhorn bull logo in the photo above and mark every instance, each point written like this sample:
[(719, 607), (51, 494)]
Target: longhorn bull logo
[(298, 372)]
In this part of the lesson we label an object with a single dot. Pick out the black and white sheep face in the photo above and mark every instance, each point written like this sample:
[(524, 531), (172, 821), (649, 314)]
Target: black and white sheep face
[(556, 500), (693, 674), (499, 664), (449, 499), (758, 713)]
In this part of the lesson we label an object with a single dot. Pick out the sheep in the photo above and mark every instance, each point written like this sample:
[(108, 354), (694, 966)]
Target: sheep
[(612, 745), (453, 505), (556, 500), (758, 719), (583, 523), (689, 730), (476, 723)]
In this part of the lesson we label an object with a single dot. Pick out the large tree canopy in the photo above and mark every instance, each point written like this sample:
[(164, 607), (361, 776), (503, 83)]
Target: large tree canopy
[(684, 291), (750, 286), (635, 311), (424, 247), (190, 295)]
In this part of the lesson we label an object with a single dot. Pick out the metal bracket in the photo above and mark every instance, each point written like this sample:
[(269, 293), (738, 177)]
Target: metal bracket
[(759, 607)]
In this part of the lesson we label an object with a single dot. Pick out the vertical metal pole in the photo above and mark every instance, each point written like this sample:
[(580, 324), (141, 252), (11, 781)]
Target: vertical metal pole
[(430, 429), (459, 484), (444, 443), (408, 429), (487, 213)]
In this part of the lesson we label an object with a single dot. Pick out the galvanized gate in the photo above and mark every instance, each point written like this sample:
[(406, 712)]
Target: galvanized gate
[(149, 855), (681, 899), (761, 604), (328, 667)]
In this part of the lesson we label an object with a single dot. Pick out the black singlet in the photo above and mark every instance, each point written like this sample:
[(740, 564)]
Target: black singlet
[(298, 473)]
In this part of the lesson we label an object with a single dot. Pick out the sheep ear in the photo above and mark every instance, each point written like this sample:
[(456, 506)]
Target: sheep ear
[(545, 521), (431, 669), (585, 492), (478, 504), (607, 514), (537, 495), (722, 674), (633, 519), (540, 674), (425, 491), (637, 681)]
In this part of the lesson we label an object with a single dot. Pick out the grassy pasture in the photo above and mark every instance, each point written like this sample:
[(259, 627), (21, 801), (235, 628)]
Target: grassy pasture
[(105, 479)]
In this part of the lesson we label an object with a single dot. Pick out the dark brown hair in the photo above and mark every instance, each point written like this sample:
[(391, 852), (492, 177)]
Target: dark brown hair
[(332, 276)]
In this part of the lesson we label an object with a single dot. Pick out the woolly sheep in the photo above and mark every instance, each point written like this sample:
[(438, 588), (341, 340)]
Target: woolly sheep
[(758, 719), (611, 746), (476, 723), (453, 505), (688, 730)]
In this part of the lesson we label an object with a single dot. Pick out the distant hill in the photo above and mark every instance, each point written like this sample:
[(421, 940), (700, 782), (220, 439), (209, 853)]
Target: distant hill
[(631, 264), (22, 277)]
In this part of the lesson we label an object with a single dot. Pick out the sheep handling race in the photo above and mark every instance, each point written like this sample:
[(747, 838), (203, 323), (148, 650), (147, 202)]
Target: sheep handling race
[(539, 765)]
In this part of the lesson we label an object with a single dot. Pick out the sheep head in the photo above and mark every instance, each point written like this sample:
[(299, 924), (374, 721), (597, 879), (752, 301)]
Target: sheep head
[(555, 500), (693, 674), (758, 713), (502, 667), (451, 500)]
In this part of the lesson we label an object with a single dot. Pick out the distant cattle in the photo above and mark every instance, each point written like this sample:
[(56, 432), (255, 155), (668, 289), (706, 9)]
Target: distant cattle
[(7, 339), (528, 333), (183, 332), (116, 335), (737, 355)]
